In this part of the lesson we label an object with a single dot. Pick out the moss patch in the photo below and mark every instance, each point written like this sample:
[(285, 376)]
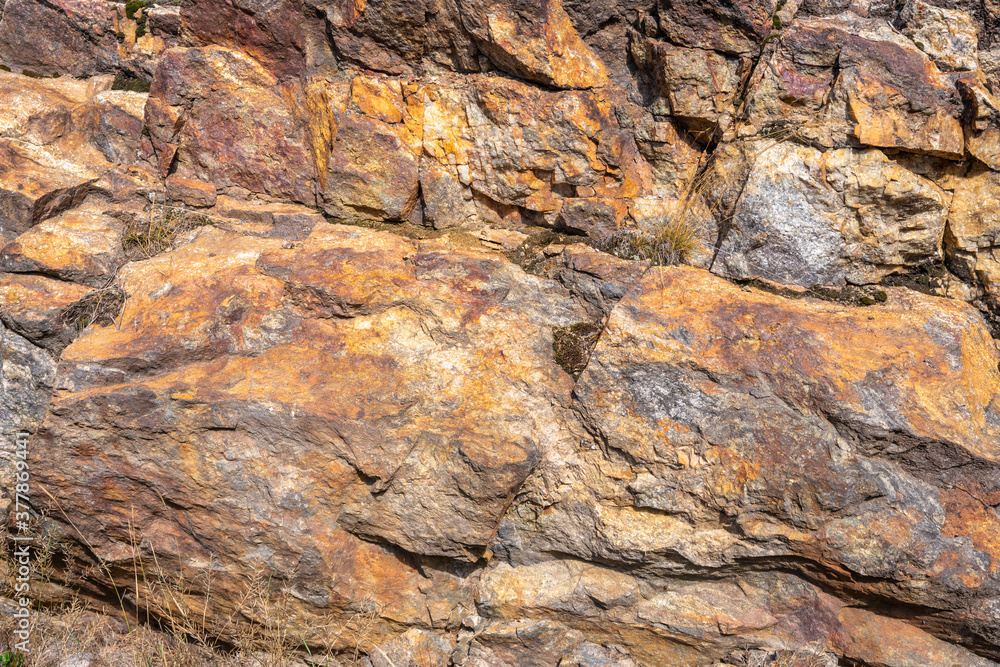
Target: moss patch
[(573, 346), (130, 83)]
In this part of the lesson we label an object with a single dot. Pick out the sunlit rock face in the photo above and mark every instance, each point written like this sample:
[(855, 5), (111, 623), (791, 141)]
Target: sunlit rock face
[(368, 300)]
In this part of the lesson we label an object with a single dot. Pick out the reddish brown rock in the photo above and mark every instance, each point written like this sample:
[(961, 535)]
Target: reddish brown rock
[(164, 21), (189, 192), (226, 120), (77, 37), (730, 27), (284, 36), (841, 82), (400, 37), (32, 305)]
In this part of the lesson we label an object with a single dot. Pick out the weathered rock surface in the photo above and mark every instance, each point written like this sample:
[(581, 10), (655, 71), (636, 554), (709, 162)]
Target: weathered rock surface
[(225, 119), (25, 386), (806, 217), (372, 425), (386, 337), (31, 306), (843, 82), (855, 499), (77, 37), (534, 40), (83, 245), (972, 243)]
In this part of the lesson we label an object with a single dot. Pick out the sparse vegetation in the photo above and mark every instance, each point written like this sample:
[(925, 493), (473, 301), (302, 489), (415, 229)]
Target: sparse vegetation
[(130, 83), (145, 237), (667, 243), (32, 74), (100, 307), (573, 345), (136, 11), (157, 625)]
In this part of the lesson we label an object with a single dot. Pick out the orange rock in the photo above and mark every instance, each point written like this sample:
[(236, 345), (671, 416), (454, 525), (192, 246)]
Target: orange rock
[(31, 190), (982, 130), (190, 192), (81, 245), (879, 640), (353, 381), (759, 405), (31, 306), (535, 41), (971, 239)]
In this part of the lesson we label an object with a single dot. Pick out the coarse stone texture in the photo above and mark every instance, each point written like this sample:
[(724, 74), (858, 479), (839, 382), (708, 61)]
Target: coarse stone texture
[(398, 361), (76, 37), (806, 217), (375, 454), (31, 306), (972, 240), (226, 120), (534, 40), (82, 245), (26, 381)]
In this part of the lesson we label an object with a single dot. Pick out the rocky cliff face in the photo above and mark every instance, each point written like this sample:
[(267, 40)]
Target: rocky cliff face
[(364, 296)]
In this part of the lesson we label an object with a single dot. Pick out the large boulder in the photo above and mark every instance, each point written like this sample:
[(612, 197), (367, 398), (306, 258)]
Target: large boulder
[(843, 82), (352, 386), (857, 446)]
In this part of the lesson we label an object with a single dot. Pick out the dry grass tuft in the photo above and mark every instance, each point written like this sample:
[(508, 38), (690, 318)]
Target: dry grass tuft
[(175, 631), (99, 307), (145, 237), (668, 243)]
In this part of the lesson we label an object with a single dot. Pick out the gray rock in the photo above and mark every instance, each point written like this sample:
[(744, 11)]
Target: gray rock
[(806, 217)]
